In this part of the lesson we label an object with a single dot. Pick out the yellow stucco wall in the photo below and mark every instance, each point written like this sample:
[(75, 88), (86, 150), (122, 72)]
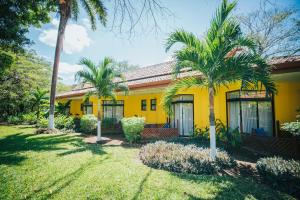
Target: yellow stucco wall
[(286, 102)]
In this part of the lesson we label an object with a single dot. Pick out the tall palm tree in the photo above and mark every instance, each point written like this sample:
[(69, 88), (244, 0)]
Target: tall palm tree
[(70, 9), (39, 98), (223, 56), (103, 78)]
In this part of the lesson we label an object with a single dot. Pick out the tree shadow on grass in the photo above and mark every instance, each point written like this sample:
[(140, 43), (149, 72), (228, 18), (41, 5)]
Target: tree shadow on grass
[(227, 187), (12, 146), (59, 184), (141, 185)]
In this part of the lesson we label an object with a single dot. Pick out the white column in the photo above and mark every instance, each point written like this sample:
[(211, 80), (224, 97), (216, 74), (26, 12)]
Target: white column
[(99, 123), (213, 150)]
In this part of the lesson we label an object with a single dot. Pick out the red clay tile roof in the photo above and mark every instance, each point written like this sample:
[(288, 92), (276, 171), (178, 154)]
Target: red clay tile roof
[(160, 74)]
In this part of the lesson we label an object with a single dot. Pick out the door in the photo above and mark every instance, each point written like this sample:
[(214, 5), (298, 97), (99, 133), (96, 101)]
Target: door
[(183, 118)]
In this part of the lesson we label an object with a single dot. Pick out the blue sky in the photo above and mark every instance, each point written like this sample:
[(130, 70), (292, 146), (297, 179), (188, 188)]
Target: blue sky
[(144, 48)]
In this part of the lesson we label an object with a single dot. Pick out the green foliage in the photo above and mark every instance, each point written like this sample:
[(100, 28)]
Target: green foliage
[(29, 118), (14, 120), (108, 122), (88, 124), (230, 137), (43, 123), (17, 17), (18, 83), (102, 77), (186, 159), (280, 173), (62, 107), (292, 127), (64, 122), (60, 121), (133, 127)]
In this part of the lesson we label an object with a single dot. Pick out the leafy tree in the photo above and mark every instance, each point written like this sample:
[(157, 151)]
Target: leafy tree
[(103, 78), (222, 57), (275, 29), (17, 83), (39, 98), (17, 16), (62, 108)]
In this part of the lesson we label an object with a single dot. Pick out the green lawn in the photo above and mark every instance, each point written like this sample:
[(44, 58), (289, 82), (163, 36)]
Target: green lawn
[(64, 167)]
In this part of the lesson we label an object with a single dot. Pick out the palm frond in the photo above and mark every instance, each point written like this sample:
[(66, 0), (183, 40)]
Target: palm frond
[(74, 9), (90, 12), (181, 36), (100, 10), (178, 85)]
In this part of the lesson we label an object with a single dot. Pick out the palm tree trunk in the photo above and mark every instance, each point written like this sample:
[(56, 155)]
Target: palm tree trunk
[(59, 43), (99, 122), (212, 127)]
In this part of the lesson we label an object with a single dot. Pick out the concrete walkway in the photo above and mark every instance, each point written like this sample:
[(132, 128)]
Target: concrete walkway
[(110, 140)]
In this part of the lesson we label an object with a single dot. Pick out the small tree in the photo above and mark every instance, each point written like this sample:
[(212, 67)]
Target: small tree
[(103, 78), (39, 98), (222, 57)]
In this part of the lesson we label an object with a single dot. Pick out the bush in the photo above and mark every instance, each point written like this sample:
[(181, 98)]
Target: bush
[(230, 137), (292, 127), (133, 127), (29, 118), (76, 124), (64, 122), (43, 122), (60, 122), (179, 158), (88, 124), (14, 120), (280, 173)]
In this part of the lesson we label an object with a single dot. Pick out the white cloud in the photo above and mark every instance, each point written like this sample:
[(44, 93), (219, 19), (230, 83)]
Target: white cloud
[(76, 37), (67, 72)]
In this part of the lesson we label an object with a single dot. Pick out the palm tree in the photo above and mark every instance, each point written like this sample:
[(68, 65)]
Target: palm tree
[(62, 108), (223, 56), (103, 78), (39, 98), (66, 10)]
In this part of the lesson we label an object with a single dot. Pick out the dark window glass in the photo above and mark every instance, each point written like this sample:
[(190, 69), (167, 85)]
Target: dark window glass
[(144, 104), (153, 104)]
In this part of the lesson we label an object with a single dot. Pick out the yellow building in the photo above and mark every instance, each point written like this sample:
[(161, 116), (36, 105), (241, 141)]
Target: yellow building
[(251, 111)]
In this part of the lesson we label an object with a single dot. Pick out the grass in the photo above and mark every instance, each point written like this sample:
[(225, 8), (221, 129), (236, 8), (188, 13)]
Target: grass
[(64, 167)]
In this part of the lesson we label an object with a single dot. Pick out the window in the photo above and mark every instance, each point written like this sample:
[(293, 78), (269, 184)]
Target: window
[(153, 104), (144, 104), (250, 111), (113, 110), (87, 108)]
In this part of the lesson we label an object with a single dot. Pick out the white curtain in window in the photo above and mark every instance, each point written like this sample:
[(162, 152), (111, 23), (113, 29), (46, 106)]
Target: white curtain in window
[(234, 114), (249, 116), (265, 117)]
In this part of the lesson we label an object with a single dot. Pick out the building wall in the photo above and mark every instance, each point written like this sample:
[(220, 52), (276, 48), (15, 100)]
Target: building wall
[(286, 101)]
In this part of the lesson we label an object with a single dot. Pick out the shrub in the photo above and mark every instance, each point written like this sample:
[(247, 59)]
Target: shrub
[(43, 122), (76, 123), (29, 118), (64, 122), (14, 120), (179, 158), (132, 128), (88, 124), (60, 122), (230, 137), (280, 173), (292, 127)]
